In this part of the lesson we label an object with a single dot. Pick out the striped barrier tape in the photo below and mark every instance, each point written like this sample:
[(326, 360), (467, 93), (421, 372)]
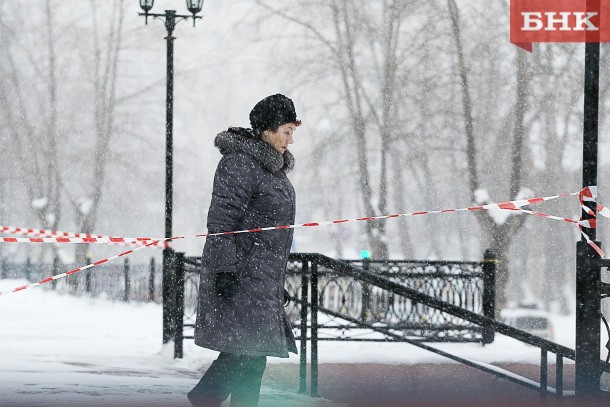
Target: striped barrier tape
[(77, 270), (510, 205), (47, 233), (589, 194)]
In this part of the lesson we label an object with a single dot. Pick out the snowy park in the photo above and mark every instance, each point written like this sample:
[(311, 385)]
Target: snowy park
[(320, 203)]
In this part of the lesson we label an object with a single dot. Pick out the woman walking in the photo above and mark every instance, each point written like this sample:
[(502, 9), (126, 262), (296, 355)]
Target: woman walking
[(241, 291)]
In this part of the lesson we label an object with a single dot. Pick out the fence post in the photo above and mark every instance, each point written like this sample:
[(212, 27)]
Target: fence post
[(489, 292), (304, 310), (151, 280), (167, 292), (88, 275), (4, 268), (54, 270), (28, 268), (126, 276), (314, 329), (179, 306), (366, 314)]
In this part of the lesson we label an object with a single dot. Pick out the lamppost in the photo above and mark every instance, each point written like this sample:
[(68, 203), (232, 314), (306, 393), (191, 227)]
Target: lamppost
[(171, 19)]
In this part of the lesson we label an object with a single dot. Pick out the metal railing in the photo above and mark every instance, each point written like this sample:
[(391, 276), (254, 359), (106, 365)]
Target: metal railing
[(485, 322), (469, 285), (391, 289)]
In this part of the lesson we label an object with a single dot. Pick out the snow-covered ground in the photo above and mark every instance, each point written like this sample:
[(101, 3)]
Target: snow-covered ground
[(63, 350)]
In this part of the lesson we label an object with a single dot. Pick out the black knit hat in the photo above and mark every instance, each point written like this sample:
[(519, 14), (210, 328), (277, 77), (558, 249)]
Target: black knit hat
[(272, 112)]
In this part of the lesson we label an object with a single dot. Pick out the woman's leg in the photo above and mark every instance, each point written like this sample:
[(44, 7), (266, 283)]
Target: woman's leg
[(246, 389), (214, 386)]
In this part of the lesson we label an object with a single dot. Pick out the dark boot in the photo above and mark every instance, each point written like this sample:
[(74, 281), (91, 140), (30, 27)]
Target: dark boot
[(202, 400), (213, 388)]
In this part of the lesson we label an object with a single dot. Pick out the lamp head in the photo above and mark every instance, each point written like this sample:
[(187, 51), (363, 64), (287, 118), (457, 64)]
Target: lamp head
[(146, 5), (194, 6)]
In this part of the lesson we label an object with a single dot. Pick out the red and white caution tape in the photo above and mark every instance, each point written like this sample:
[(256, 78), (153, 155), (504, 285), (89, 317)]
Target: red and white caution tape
[(148, 242), (135, 241), (588, 223), (604, 211), (54, 236), (589, 194), (511, 205), (77, 270)]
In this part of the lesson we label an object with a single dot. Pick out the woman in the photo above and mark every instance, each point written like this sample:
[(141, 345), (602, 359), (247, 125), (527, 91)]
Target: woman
[(241, 292)]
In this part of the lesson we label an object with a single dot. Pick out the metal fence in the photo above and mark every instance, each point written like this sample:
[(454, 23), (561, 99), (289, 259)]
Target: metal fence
[(347, 302), (116, 281), (329, 303), (348, 306)]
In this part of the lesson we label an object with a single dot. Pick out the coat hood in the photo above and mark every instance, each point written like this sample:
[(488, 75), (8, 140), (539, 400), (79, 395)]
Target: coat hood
[(241, 140)]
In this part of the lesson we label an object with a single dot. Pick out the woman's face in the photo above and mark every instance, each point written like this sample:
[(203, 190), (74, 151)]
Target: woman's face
[(281, 138)]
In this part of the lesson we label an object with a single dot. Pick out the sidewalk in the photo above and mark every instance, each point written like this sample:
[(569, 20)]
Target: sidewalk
[(424, 385)]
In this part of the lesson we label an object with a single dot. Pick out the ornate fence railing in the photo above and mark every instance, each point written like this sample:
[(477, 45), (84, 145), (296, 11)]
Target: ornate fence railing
[(349, 305), (469, 285), (382, 301)]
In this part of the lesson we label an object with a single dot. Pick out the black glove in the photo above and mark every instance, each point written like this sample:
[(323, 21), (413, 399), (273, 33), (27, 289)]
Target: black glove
[(224, 284), (286, 297)]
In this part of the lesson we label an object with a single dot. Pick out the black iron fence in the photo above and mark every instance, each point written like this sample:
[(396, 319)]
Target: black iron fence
[(486, 322), (117, 281), (380, 298), (469, 285), (348, 305)]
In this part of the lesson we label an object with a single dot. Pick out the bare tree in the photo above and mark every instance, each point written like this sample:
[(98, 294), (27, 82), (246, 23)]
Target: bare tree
[(105, 62), (499, 234), (30, 111), (33, 123), (364, 51)]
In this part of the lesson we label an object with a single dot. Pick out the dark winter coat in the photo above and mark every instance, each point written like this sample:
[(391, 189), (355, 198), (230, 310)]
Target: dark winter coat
[(251, 190)]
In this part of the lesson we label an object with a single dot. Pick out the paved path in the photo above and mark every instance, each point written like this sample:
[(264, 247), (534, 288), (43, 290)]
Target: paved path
[(424, 385)]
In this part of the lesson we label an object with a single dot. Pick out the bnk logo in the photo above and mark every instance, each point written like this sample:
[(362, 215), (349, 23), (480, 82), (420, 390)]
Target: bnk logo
[(562, 21), (559, 21)]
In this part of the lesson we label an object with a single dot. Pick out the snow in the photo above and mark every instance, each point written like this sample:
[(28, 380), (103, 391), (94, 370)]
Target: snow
[(499, 216), (525, 193), (481, 196), (64, 256), (39, 203), (60, 350), (50, 218), (84, 205), (73, 351)]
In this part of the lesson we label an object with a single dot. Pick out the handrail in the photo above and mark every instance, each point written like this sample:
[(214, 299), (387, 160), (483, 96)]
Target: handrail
[(430, 262), (381, 282), (494, 370), (310, 263)]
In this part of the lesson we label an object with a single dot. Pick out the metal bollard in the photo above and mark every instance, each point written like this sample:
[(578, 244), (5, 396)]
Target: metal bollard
[(55, 269), (88, 276), (4, 268), (489, 292), (127, 283), (151, 280), (28, 269)]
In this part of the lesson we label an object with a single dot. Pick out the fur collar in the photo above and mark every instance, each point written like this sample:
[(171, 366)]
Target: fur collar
[(240, 140)]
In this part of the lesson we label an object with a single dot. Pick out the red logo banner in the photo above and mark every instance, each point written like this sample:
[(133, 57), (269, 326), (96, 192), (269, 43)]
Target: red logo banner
[(559, 21)]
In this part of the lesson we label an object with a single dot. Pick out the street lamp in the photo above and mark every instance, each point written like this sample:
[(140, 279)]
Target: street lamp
[(171, 19)]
